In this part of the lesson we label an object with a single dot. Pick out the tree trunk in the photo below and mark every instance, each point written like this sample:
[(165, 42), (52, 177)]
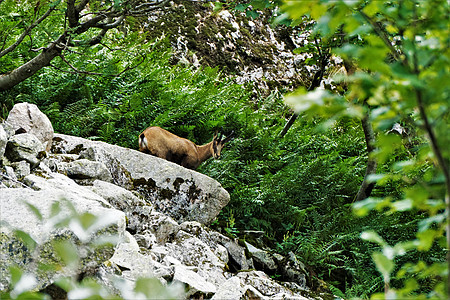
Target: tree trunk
[(28, 69), (366, 188)]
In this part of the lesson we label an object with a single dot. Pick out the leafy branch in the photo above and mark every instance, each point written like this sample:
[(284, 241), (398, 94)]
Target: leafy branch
[(105, 18)]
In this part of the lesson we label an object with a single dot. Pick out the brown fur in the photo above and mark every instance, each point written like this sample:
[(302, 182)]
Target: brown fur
[(161, 143)]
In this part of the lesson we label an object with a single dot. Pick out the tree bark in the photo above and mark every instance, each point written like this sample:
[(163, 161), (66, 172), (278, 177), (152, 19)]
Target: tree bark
[(30, 68), (366, 187)]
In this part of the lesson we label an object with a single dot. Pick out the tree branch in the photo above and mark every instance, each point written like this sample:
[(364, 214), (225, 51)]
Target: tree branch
[(27, 32), (366, 187), (104, 19), (76, 71), (28, 69), (314, 84), (110, 24), (148, 7), (72, 14), (81, 5), (379, 31)]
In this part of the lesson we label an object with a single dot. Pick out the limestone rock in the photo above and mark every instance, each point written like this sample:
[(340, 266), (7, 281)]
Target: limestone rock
[(196, 285), (86, 169), (17, 215), (183, 194), (21, 169), (266, 286), (262, 259), (237, 256), (234, 288), (137, 210), (3, 141), (135, 264), (213, 239), (293, 270), (26, 147), (27, 118)]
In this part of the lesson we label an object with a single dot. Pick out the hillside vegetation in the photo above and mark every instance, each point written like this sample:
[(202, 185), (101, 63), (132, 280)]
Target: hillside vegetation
[(299, 189)]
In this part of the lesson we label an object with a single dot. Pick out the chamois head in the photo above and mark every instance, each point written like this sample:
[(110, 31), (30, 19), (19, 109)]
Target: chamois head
[(218, 143)]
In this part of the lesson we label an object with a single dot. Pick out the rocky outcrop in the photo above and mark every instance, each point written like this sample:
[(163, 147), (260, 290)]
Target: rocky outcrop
[(183, 194), (31, 210), (122, 215), (244, 47)]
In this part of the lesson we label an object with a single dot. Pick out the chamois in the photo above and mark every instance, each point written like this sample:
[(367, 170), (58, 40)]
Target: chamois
[(161, 143)]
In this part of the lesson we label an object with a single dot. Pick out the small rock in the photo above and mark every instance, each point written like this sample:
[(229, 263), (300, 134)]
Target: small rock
[(86, 169), (196, 285), (237, 254), (262, 259), (21, 169), (3, 141), (26, 147)]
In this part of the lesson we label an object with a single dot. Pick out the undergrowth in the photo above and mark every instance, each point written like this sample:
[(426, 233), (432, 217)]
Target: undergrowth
[(297, 189)]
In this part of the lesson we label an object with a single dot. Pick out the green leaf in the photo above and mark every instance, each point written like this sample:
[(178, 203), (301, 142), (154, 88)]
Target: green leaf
[(35, 210), (372, 8), (302, 101), (260, 4), (150, 287), (426, 239), (384, 265), (29, 242), (87, 220), (402, 205), (252, 14), (16, 274), (372, 236), (241, 7), (55, 209), (67, 251)]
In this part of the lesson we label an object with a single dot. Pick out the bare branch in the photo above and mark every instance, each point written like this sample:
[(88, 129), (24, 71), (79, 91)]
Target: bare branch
[(109, 25), (76, 71), (72, 14), (148, 7), (27, 31), (81, 5), (98, 38)]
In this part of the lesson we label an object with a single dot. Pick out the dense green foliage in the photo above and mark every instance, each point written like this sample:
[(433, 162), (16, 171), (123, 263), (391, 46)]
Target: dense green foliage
[(401, 59), (299, 189)]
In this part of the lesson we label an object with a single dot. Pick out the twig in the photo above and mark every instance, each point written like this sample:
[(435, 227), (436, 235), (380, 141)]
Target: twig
[(382, 35)]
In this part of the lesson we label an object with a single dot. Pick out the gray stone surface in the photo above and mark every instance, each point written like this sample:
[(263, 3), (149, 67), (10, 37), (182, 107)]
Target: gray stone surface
[(183, 194), (16, 214), (27, 118), (25, 146)]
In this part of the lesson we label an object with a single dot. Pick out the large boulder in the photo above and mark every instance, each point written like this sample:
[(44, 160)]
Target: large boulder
[(25, 147), (27, 118), (183, 194), (19, 208)]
